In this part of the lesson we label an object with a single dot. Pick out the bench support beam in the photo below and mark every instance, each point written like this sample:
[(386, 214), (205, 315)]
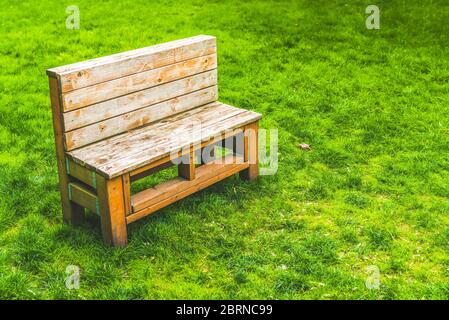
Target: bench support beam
[(186, 169), (72, 212), (251, 148), (148, 201), (111, 197)]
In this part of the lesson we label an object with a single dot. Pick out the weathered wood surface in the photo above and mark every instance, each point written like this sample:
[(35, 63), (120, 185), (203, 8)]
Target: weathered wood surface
[(169, 130), (153, 199), (138, 118), (83, 197), (251, 148), (186, 169), (109, 109), (111, 198), (167, 161), (115, 88), (131, 150), (121, 117), (90, 72), (72, 212), (127, 192), (81, 173)]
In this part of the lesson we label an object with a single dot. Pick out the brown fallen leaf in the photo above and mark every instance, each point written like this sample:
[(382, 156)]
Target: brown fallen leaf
[(304, 146)]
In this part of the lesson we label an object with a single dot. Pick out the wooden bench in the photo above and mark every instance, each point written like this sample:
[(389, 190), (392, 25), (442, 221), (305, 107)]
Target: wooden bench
[(122, 117)]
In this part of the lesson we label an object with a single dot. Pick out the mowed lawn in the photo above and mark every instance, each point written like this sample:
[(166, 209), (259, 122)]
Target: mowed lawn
[(371, 193)]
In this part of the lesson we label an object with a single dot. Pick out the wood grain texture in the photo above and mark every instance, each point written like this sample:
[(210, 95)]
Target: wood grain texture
[(98, 113), (83, 197), (90, 72), (182, 127), (121, 117), (122, 86), (127, 192), (135, 149), (151, 200), (251, 142), (72, 212), (138, 118), (81, 173), (112, 211), (186, 169)]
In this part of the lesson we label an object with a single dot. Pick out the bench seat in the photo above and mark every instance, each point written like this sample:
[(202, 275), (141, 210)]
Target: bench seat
[(132, 150)]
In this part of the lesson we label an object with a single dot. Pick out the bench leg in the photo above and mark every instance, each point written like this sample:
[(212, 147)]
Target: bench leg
[(186, 169), (251, 150), (73, 213), (111, 200), (206, 154)]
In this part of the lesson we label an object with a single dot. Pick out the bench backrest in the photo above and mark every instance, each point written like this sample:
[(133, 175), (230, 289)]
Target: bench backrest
[(107, 96)]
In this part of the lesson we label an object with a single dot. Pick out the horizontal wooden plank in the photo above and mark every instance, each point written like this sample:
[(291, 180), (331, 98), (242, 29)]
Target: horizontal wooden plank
[(151, 200), (111, 89), (107, 150), (170, 188), (113, 126), (145, 173), (163, 124), (90, 72), (140, 172), (137, 100), (172, 146), (168, 160), (165, 136), (136, 149), (83, 197), (81, 173), (111, 150)]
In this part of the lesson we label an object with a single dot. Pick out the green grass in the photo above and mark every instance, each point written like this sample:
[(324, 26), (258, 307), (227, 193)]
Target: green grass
[(372, 191)]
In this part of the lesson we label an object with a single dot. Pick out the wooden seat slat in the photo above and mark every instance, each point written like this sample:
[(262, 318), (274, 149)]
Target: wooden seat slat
[(89, 154), (131, 150), (172, 147)]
